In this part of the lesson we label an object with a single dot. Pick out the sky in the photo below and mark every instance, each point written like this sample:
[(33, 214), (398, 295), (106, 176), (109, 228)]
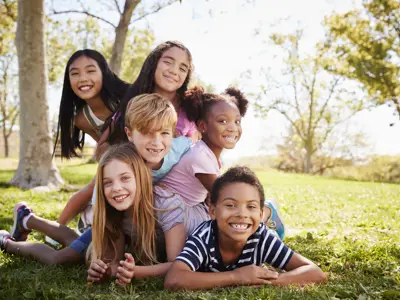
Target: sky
[(229, 37)]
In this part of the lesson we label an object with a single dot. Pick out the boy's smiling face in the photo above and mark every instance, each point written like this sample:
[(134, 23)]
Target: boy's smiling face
[(237, 212), (152, 146)]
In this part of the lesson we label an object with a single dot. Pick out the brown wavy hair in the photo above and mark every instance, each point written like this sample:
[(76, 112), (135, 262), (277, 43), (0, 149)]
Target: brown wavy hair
[(145, 84)]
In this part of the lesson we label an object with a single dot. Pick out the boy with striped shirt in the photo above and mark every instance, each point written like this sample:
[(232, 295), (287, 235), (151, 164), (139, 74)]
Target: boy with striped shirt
[(235, 244)]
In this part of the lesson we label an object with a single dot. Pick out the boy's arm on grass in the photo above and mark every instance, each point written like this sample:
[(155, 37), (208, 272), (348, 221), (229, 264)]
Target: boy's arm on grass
[(76, 203), (180, 276), (152, 271), (175, 241), (300, 271)]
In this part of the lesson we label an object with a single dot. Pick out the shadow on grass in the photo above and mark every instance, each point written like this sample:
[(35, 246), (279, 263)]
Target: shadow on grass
[(6, 223)]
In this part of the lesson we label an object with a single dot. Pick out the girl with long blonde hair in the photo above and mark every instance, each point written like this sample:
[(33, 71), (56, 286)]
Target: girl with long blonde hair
[(124, 189)]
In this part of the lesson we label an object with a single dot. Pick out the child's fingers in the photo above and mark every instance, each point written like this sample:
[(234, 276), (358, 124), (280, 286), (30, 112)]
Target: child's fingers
[(129, 258), (93, 276), (268, 274), (123, 280), (97, 268), (121, 272), (100, 263), (126, 265)]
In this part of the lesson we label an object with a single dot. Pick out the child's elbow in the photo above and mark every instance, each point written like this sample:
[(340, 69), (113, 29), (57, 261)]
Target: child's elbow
[(172, 283), (320, 276)]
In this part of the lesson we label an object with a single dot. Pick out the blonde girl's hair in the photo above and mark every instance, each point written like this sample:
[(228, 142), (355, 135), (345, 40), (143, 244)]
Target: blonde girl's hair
[(107, 223), (148, 112)]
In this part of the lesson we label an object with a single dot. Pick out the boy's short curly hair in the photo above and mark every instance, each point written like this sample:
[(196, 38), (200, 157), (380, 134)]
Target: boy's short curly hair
[(237, 174)]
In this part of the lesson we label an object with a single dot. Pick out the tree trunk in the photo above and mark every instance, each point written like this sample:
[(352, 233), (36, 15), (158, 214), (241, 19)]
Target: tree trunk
[(307, 166), (120, 35), (36, 166), (5, 138)]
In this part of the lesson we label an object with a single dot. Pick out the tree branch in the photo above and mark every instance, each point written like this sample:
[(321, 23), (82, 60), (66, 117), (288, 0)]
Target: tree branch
[(117, 6), (331, 91), (82, 12), (159, 7), (12, 123)]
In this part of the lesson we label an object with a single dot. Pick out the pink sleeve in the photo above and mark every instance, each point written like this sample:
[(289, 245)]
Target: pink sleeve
[(202, 162)]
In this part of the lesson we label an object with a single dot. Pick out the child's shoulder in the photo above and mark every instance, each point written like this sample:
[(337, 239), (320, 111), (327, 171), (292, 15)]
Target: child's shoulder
[(204, 230)]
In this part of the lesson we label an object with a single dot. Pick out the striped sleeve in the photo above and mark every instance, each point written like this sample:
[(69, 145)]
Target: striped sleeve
[(274, 251), (194, 253)]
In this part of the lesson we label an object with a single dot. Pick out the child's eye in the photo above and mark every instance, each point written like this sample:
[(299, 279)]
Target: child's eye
[(229, 205), (166, 133), (73, 74), (91, 71), (126, 178), (183, 70), (167, 62), (222, 121), (238, 121), (106, 183), (252, 206)]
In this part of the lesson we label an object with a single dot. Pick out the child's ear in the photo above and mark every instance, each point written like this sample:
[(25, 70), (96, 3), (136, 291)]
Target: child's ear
[(128, 134), (201, 126), (211, 211)]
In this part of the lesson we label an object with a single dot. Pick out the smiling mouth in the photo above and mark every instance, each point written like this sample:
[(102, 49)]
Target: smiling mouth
[(155, 151), (120, 198), (170, 79), (85, 88), (240, 226), (231, 138)]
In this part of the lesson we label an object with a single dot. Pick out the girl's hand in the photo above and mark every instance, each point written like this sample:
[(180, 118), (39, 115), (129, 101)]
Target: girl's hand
[(254, 275), (126, 270), (97, 271)]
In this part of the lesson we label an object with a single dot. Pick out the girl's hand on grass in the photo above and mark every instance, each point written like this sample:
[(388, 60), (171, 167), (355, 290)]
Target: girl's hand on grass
[(254, 275), (96, 271), (126, 270)]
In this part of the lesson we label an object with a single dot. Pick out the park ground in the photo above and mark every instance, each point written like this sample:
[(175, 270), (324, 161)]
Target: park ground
[(350, 229)]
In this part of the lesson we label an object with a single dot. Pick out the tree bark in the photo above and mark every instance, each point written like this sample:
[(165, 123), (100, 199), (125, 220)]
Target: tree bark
[(307, 166), (120, 35), (5, 138), (36, 166)]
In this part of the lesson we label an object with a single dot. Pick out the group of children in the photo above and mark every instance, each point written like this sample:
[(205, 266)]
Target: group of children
[(160, 204)]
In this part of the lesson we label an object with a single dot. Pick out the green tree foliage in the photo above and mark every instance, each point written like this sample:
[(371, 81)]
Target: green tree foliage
[(136, 49), (364, 44), (313, 102)]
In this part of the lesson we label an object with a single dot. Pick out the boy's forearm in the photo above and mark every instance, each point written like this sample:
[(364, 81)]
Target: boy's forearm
[(152, 271), (199, 280), (76, 203), (300, 276)]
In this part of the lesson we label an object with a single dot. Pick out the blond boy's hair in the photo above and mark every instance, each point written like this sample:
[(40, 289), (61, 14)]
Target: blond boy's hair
[(148, 112)]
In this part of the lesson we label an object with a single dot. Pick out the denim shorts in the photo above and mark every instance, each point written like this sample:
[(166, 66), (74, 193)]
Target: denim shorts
[(81, 244)]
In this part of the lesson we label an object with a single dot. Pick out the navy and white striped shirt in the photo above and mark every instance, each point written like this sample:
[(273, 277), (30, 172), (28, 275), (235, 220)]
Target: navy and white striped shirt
[(201, 251)]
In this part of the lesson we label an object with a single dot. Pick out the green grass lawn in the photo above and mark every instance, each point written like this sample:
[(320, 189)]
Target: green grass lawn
[(350, 229)]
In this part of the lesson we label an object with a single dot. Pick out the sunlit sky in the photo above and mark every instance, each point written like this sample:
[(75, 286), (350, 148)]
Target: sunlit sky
[(222, 37)]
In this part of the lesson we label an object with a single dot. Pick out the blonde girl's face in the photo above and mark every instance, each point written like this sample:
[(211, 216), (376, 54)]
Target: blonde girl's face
[(172, 70), (119, 184), (86, 78)]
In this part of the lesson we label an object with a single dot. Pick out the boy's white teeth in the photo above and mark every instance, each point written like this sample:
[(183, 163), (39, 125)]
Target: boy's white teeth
[(119, 198), (240, 226), (155, 150)]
